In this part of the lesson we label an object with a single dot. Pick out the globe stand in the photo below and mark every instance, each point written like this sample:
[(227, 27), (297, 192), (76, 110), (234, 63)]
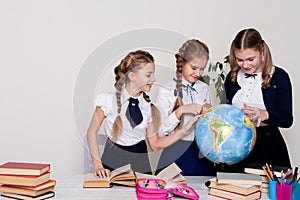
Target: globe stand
[(221, 167)]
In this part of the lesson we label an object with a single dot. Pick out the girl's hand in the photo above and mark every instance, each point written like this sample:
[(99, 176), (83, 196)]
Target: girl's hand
[(188, 127), (192, 108), (256, 114), (205, 107), (102, 173)]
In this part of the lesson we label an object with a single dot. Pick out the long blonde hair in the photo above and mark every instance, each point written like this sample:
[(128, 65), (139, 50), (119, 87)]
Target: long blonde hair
[(251, 38), (131, 63), (190, 50)]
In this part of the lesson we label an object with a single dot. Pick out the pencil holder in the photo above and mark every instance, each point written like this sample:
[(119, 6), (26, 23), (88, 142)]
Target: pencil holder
[(272, 190), (284, 191), (296, 191)]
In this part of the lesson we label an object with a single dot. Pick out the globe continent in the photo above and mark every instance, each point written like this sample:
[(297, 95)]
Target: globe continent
[(224, 134)]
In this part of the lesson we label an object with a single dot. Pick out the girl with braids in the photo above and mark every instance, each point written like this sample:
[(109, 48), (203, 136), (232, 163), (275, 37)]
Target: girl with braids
[(130, 118), (264, 92), (180, 100)]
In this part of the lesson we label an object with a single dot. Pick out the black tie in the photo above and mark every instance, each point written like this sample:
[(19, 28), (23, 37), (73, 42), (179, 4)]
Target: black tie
[(133, 113), (250, 75)]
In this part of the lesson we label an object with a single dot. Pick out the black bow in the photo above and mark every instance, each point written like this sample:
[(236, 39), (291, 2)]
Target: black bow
[(250, 75), (133, 112)]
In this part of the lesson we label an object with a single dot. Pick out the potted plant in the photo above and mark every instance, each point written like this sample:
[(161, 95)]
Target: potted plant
[(216, 76)]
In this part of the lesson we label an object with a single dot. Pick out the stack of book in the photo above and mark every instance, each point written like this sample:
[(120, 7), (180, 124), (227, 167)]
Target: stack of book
[(262, 171), (24, 180), (236, 186)]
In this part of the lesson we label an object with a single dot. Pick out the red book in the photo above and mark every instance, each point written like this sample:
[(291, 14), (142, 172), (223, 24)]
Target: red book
[(24, 168)]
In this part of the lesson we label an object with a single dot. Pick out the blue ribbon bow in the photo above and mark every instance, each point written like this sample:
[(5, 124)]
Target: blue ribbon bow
[(188, 88)]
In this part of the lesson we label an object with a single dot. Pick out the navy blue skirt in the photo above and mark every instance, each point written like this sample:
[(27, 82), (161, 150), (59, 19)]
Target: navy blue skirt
[(115, 156), (186, 155)]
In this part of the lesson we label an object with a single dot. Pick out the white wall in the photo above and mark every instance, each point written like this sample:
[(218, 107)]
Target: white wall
[(44, 46)]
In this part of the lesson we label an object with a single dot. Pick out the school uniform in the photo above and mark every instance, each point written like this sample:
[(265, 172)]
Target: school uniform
[(130, 147), (184, 152), (270, 146)]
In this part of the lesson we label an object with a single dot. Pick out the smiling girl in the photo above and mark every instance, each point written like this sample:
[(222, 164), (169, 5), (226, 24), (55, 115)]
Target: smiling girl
[(130, 118), (264, 92), (180, 100)]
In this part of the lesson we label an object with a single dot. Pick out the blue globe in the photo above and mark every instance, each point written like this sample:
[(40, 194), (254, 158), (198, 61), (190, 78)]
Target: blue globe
[(224, 134)]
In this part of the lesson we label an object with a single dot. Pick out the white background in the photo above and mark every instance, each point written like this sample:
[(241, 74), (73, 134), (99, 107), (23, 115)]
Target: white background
[(43, 45)]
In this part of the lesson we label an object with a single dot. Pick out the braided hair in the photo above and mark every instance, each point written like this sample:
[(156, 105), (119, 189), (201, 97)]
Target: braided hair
[(131, 63), (190, 50)]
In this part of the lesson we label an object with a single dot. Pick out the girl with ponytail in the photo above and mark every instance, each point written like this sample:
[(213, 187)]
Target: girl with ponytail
[(264, 92), (180, 100), (131, 118)]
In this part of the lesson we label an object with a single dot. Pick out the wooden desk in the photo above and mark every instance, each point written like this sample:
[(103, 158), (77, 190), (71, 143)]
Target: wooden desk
[(70, 187)]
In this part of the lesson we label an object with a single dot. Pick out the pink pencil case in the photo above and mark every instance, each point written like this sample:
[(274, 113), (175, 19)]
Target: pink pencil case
[(152, 188), (185, 191)]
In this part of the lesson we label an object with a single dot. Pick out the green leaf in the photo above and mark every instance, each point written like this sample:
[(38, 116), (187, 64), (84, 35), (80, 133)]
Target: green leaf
[(223, 76), (217, 69), (226, 59), (210, 67), (204, 79)]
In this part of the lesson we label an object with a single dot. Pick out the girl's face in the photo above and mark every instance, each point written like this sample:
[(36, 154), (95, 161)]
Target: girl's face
[(143, 78), (249, 60), (192, 70)]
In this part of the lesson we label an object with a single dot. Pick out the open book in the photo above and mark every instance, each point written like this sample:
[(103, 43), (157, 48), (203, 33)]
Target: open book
[(172, 172), (122, 176)]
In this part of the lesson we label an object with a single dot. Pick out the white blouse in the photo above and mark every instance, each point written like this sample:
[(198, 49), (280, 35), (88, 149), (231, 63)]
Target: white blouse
[(165, 100), (129, 136), (250, 92)]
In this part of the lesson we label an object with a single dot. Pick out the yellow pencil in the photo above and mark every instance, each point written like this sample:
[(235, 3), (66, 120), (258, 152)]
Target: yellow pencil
[(266, 172), (269, 170)]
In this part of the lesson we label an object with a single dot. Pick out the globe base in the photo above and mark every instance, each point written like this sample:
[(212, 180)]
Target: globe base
[(235, 168), (221, 167)]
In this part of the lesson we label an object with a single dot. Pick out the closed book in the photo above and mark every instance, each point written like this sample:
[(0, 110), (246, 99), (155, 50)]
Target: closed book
[(26, 197), (122, 176), (234, 195), (238, 178), (264, 178), (265, 184), (24, 180), (254, 168), (24, 168), (46, 184), (21, 191), (27, 190), (244, 189), (265, 190)]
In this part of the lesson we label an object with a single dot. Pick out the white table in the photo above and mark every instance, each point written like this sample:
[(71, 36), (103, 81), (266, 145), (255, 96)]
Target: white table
[(70, 187)]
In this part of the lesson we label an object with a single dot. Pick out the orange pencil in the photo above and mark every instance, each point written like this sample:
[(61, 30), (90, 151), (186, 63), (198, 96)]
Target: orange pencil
[(269, 170), (267, 173)]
